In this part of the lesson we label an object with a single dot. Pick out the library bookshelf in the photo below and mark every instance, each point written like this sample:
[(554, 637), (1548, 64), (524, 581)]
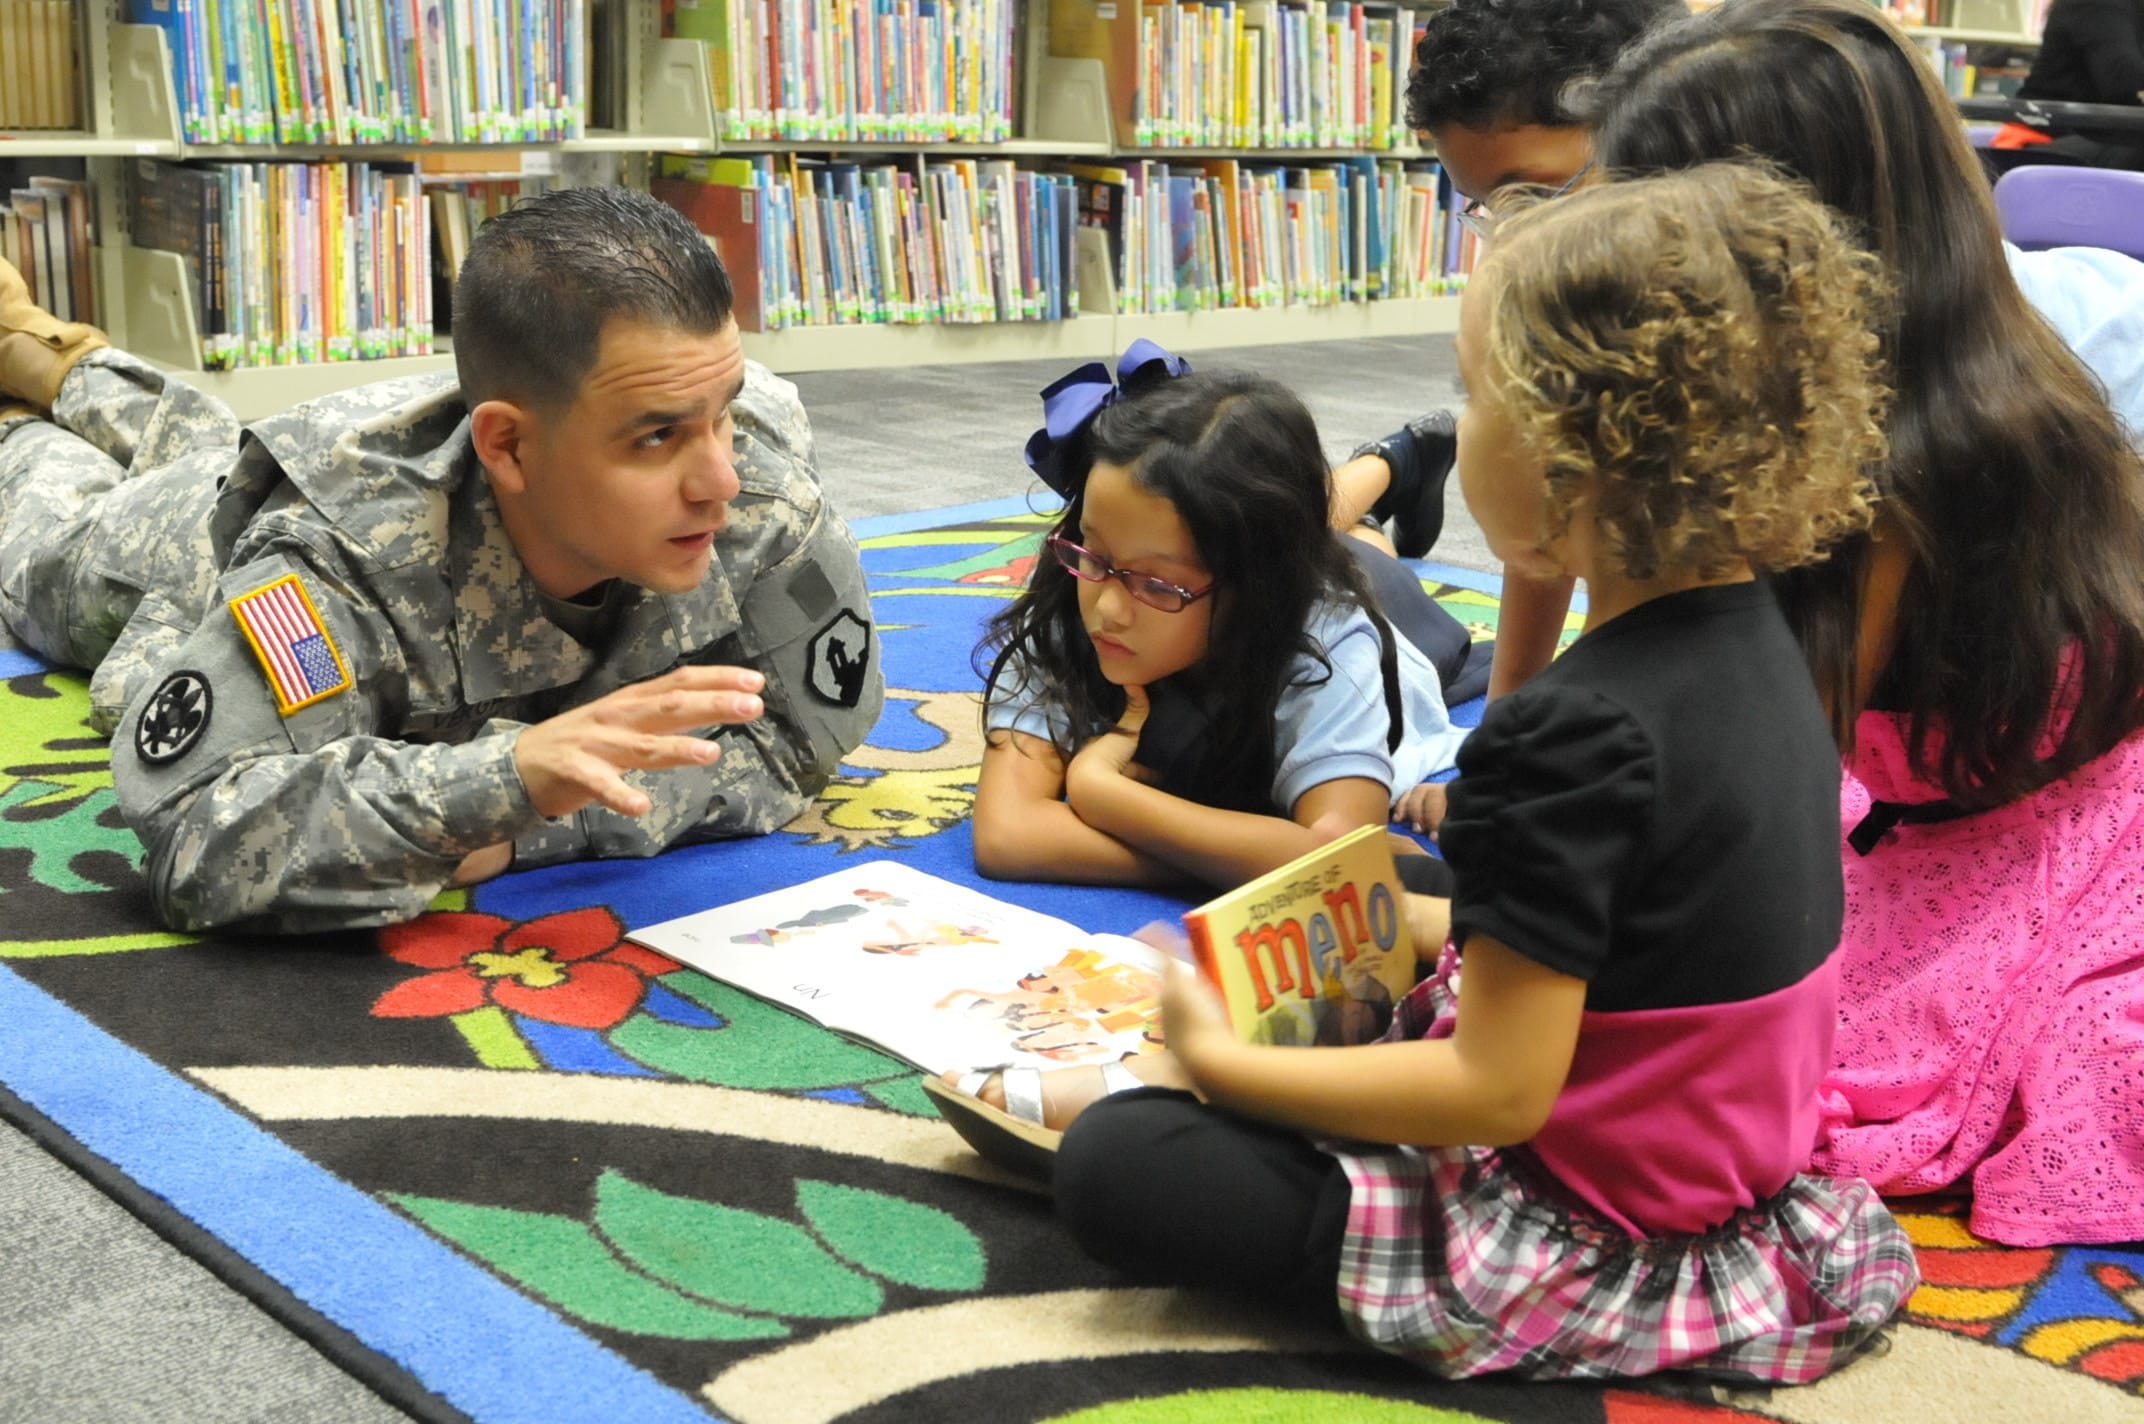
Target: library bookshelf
[(1070, 107), (1967, 39)]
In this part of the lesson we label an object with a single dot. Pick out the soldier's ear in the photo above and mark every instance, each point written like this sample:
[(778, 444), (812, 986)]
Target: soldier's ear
[(497, 429)]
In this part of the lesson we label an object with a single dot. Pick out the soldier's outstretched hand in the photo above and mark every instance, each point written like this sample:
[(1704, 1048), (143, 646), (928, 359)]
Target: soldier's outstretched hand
[(579, 756)]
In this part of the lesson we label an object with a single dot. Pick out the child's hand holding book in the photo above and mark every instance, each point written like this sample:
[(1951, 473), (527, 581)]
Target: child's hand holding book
[(1195, 1022)]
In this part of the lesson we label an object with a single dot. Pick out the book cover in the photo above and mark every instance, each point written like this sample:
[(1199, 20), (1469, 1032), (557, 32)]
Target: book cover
[(15, 110), (35, 242), (1101, 197), (70, 199), (1326, 236), (1315, 952), (727, 211), (935, 973), (1368, 230), (168, 208)]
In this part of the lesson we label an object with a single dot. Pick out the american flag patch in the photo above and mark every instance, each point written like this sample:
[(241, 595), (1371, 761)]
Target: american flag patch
[(292, 643)]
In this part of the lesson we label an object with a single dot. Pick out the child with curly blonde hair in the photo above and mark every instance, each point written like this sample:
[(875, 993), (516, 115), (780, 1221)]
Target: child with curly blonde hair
[(1587, 1162)]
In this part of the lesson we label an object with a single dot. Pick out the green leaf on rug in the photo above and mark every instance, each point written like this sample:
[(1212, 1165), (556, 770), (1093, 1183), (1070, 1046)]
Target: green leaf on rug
[(54, 841), (722, 1253), (48, 730), (903, 1095), (568, 1265), (903, 1241), (759, 1045)]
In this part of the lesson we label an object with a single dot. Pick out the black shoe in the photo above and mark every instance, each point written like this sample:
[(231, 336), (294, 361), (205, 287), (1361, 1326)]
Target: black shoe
[(1420, 455)]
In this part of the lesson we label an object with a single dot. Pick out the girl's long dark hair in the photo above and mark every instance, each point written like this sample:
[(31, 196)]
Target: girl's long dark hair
[(2010, 478), (1239, 458)]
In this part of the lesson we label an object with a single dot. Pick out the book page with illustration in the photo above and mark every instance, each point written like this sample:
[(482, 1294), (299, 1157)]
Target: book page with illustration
[(936, 973)]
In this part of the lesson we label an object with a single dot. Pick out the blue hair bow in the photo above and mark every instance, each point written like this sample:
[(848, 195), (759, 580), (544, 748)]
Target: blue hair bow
[(1069, 402)]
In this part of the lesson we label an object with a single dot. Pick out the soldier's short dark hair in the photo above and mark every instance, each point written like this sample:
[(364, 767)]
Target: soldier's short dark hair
[(541, 280), (1483, 64)]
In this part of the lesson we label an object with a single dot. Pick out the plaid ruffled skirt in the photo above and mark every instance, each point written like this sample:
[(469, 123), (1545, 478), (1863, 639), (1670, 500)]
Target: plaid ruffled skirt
[(1468, 1260)]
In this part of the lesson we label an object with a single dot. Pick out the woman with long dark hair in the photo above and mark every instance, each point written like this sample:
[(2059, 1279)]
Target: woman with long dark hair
[(1981, 647)]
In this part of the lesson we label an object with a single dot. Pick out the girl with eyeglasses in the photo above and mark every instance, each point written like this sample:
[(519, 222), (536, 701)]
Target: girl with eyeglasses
[(1197, 684)]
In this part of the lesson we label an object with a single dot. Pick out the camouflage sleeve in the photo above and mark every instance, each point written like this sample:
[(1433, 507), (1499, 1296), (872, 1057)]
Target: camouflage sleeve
[(806, 624), (254, 770)]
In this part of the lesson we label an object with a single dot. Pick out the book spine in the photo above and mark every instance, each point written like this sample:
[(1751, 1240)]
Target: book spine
[(217, 350)]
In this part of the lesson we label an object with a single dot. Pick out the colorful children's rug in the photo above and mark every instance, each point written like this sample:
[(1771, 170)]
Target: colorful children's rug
[(502, 1165)]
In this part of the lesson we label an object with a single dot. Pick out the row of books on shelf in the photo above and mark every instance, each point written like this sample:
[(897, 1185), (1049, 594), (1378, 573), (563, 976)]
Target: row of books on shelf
[(1913, 13), (304, 262), (44, 235), (1272, 76), (1248, 73), (462, 205), (1962, 78), (1968, 15), (375, 71), (856, 70), (1221, 233), (293, 262), (40, 85), (1226, 73), (811, 243)]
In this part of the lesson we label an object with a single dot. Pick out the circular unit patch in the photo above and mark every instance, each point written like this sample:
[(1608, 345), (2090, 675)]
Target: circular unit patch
[(175, 718)]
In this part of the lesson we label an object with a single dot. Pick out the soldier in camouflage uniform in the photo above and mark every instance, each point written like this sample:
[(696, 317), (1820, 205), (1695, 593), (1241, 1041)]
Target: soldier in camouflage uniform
[(583, 599)]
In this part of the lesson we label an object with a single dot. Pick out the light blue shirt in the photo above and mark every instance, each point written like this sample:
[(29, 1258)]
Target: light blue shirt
[(2094, 299), (1325, 730)]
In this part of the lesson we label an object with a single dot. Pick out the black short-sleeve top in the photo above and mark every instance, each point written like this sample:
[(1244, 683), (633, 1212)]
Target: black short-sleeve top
[(1657, 813)]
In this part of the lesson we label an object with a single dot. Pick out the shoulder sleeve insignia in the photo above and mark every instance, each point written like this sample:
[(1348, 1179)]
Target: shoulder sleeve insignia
[(301, 661), (839, 657), (175, 718)]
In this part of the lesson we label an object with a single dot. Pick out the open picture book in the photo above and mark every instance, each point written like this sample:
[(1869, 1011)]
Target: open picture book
[(932, 972), (949, 978)]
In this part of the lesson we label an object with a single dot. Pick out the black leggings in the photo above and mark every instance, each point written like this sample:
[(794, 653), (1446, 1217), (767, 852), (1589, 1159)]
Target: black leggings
[(1174, 1192)]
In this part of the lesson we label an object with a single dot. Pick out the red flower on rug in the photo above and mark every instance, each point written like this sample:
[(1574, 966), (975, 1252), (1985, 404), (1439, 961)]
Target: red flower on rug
[(1014, 573), (573, 968)]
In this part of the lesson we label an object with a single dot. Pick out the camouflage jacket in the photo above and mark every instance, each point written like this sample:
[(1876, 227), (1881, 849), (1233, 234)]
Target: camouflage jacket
[(336, 730)]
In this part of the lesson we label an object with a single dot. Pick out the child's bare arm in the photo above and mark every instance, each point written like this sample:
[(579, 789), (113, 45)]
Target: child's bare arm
[(1429, 924), (1491, 1084), (1529, 622), (1025, 831), (1221, 848)]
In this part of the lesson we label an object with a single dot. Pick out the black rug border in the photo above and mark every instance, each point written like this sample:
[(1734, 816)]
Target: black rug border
[(369, 1367)]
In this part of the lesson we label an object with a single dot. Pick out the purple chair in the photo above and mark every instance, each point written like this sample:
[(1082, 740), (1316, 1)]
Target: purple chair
[(2045, 205)]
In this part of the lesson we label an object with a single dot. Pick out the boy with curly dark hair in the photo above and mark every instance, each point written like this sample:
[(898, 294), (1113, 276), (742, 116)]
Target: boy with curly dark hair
[(1492, 90), (1495, 80)]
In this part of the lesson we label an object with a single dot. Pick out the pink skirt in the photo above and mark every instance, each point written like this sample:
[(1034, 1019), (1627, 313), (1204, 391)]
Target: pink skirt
[(1991, 1001), (1468, 1260)]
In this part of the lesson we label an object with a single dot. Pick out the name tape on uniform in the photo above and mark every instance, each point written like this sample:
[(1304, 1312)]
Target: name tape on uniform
[(302, 662)]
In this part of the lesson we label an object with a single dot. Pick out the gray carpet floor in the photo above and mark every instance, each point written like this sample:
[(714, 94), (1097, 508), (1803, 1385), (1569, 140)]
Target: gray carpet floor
[(895, 441), (101, 1322)]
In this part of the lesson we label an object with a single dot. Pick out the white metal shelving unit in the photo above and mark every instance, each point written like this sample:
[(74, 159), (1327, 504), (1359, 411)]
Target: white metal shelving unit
[(1985, 22)]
